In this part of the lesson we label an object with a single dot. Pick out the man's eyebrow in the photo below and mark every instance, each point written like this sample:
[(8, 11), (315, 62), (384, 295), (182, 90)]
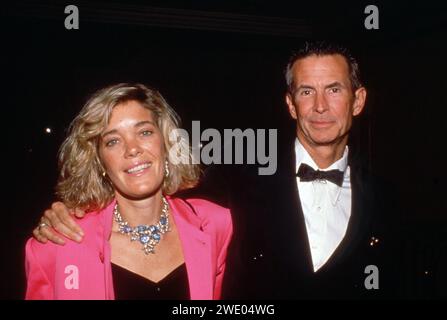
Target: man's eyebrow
[(303, 87), (137, 125), (335, 84)]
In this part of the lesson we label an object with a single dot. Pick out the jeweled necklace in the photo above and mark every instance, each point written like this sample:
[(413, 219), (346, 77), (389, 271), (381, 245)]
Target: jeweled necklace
[(148, 235)]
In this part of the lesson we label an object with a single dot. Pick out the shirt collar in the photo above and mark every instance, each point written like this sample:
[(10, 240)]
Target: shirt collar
[(302, 156)]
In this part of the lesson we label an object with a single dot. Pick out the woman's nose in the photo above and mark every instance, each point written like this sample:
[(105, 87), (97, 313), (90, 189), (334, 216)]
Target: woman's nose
[(132, 149)]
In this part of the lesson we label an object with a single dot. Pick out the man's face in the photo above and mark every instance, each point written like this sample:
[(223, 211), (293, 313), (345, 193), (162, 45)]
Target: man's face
[(322, 102)]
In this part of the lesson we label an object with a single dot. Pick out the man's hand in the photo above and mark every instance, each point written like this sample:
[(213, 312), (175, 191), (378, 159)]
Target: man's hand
[(59, 219)]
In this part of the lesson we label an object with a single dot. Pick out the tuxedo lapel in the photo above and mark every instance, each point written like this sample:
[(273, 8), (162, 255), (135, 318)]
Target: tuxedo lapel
[(295, 238), (359, 221)]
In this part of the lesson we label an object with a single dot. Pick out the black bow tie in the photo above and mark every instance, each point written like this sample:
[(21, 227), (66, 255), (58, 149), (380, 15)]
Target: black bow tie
[(307, 173)]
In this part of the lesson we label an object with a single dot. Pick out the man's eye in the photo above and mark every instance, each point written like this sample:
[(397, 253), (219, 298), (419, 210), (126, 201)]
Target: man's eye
[(335, 90), (111, 143), (305, 92)]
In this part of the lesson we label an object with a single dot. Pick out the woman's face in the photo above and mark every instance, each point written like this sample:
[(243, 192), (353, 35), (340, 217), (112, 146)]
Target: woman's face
[(132, 151)]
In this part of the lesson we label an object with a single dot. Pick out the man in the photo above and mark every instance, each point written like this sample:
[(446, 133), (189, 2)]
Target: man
[(313, 229)]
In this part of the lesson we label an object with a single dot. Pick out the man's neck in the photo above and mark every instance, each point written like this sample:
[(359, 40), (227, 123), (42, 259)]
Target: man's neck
[(325, 155)]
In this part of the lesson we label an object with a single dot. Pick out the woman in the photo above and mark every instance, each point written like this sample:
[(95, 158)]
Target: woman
[(139, 243)]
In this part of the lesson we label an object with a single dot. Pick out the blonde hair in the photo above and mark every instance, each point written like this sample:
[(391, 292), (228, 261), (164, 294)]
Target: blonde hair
[(81, 182)]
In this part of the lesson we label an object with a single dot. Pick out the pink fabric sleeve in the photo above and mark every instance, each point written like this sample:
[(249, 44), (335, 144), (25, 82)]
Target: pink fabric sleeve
[(221, 259), (38, 286)]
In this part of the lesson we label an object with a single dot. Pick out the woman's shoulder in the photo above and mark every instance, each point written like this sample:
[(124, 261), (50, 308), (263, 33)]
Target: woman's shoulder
[(91, 223), (201, 206), (40, 258), (206, 210), (36, 250), (99, 220), (47, 251)]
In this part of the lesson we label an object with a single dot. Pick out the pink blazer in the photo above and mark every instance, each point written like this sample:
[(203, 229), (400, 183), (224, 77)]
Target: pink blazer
[(83, 270)]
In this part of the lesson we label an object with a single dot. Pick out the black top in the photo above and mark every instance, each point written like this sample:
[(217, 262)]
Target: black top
[(131, 286)]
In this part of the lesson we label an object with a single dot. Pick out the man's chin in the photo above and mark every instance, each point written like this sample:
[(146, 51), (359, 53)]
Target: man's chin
[(323, 143), (323, 140), (327, 139), (320, 138)]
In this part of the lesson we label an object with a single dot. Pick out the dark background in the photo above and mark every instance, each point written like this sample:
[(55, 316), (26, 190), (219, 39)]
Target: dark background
[(221, 62)]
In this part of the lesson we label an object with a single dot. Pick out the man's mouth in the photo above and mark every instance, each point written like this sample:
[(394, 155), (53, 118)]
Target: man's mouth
[(321, 123)]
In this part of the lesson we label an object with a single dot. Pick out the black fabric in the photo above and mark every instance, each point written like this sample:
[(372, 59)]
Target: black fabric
[(307, 173), (131, 286), (269, 256)]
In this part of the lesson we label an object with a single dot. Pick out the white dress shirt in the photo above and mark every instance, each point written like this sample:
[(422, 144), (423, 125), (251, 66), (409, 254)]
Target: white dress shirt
[(326, 207)]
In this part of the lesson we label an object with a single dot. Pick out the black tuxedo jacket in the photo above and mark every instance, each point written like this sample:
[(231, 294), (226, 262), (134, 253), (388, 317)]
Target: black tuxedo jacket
[(269, 256)]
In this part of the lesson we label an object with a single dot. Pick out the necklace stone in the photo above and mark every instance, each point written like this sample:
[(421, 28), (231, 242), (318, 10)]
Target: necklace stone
[(148, 235)]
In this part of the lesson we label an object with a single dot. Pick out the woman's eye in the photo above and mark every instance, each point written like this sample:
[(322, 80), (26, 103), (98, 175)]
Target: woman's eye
[(111, 143), (146, 132)]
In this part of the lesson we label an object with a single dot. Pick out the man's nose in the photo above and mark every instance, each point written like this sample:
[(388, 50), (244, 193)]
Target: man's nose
[(320, 102)]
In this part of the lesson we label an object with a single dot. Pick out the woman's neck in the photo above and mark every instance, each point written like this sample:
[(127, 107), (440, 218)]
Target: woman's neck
[(144, 211)]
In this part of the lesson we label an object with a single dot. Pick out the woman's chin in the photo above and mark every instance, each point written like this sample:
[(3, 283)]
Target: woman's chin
[(140, 193)]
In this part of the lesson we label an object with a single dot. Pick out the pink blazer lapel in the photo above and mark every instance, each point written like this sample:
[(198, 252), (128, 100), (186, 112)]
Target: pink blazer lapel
[(106, 251), (197, 250)]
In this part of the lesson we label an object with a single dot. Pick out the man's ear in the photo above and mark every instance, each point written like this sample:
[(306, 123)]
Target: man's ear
[(359, 101), (290, 105)]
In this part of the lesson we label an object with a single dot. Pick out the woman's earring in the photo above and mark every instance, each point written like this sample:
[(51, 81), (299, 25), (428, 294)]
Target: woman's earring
[(166, 168), (103, 174)]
